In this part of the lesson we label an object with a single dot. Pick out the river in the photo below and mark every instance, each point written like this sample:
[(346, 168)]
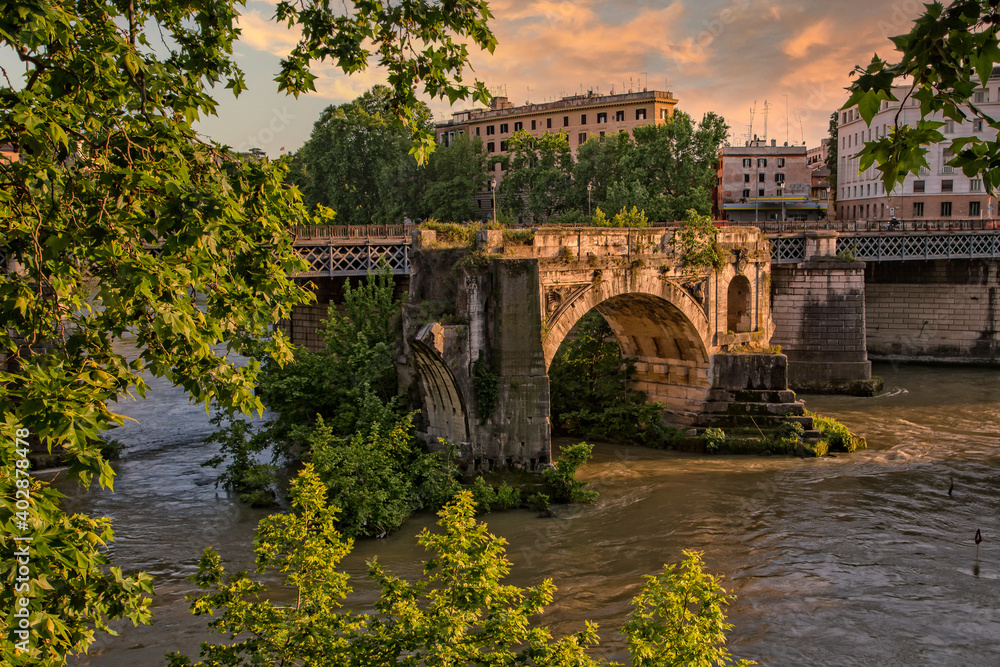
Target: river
[(860, 559)]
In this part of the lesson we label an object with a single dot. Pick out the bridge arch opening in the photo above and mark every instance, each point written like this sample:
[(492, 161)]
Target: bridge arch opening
[(442, 410), (668, 348), (739, 305)]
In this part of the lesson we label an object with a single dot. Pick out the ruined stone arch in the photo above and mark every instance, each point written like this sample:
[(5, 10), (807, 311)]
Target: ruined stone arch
[(443, 411), (658, 324)]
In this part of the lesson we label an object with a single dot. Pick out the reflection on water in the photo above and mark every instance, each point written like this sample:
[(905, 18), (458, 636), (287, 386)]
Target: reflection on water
[(854, 560)]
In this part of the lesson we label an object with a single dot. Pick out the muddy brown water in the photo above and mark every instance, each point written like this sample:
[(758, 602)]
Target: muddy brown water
[(854, 560)]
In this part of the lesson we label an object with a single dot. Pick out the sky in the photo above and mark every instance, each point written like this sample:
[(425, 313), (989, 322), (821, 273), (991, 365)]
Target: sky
[(726, 56)]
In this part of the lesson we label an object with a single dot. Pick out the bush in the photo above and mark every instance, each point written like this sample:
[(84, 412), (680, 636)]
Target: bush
[(508, 497), (458, 612), (483, 494), (538, 502), (838, 436), (561, 481), (714, 439)]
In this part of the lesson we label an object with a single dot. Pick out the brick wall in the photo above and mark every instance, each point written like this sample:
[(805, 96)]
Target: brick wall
[(936, 310)]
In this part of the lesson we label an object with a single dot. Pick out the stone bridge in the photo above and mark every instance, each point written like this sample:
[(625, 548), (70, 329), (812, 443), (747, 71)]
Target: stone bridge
[(483, 324)]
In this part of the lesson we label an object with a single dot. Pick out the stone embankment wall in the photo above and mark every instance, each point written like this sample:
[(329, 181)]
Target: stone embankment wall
[(938, 310), (818, 308)]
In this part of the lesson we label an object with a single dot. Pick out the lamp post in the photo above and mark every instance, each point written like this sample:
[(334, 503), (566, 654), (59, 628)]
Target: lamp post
[(493, 187), (590, 187)]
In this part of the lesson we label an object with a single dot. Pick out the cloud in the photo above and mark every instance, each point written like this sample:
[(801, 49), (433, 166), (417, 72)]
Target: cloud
[(818, 34), (266, 35)]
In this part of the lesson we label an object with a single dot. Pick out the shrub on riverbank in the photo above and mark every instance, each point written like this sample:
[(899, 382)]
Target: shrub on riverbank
[(458, 612)]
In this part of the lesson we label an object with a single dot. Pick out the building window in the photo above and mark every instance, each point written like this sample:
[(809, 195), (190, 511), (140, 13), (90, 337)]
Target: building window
[(565, 121), (518, 126), (602, 117), (491, 147), (746, 178), (760, 178), (979, 97), (548, 123), (640, 114), (974, 208), (490, 129), (620, 116), (779, 177), (762, 162), (533, 124), (946, 209), (919, 186), (746, 194), (747, 162), (664, 113), (947, 186), (869, 189), (977, 126), (583, 119), (781, 162), (602, 134), (975, 185), (582, 137), (760, 193), (477, 130), (504, 128)]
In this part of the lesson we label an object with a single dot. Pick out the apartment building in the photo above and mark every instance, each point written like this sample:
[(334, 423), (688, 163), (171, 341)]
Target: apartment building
[(579, 116), (937, 192), (760, 182)]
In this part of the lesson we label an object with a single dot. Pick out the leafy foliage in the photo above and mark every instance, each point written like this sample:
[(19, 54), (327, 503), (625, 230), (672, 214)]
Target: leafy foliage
[(119, 221), (697, 243), (624, 218), (458, 612), (832, 160), (537, 177), (561, 481), (358, 149), (454, 175), (714, 439), (948, 54), (305, 548), (591, 391), (244, 474), (679, 619), (419, 42), (486, 384), (837, 436)]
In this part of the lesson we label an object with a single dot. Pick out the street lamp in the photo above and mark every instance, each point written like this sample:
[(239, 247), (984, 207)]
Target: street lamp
[(493, 187), (590, 187)]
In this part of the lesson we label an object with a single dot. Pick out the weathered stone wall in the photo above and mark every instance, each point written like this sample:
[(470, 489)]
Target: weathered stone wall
[(818, 308), (939, 310)]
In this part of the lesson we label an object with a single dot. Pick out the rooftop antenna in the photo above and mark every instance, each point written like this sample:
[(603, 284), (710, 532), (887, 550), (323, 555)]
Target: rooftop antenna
[(766, 107), (753, 111), (527, 100), (645, 80), (802, 132), (786, 120)]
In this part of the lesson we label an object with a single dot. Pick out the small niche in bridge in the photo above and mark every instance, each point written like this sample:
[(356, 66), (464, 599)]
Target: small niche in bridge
[(739, 316)]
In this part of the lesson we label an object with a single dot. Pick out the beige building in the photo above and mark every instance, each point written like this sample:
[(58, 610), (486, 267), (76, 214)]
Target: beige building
[(581, 117), (9, 152), (937, 192), (760, 182)]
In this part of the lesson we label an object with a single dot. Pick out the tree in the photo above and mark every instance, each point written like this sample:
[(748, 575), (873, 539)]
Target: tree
[(454, 175), (673, 165), (947, 55), (357, 162), (537, 180), (120, 221), (832, 153), (459, 611), (679, 619)]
